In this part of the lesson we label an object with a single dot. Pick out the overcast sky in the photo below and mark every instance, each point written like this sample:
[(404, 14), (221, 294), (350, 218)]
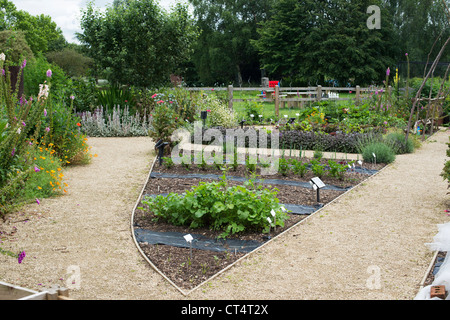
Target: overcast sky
[(66, 13)]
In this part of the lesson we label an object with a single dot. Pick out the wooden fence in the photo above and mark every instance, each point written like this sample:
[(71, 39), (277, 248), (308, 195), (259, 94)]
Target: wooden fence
[(293, 96)]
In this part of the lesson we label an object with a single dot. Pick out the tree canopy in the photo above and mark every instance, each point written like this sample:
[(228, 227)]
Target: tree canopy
[(41, 33), (223, 52), (137, 43)]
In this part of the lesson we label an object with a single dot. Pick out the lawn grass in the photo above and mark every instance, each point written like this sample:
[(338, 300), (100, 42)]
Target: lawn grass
[(268, 108)]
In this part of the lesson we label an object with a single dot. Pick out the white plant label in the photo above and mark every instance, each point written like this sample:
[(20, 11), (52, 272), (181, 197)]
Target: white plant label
[(188, 238), (272, 212)]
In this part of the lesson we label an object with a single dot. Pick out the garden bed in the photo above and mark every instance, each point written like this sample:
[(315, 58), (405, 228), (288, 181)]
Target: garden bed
[(187, 267)]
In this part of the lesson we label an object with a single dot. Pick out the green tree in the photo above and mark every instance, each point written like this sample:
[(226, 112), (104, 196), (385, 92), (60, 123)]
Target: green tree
[(223, 52), (418, 25), (71, 61), (14, 45), (135, 42), (318, 40), (42, 34)]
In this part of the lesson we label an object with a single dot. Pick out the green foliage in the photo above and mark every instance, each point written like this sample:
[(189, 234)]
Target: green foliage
[(383, 153), (36, 73), (219, 207), (317, 168), (298, 167), (219, 115), (445, 174), (250, 164), (223, 52), (136, 42), (337, 169), (41, 33), (294, 36), (85, 93), (164, 120), (14, 45), (168, 162), (114, 96), (252, 110), (71, 61), (46, 179), (397, 142)]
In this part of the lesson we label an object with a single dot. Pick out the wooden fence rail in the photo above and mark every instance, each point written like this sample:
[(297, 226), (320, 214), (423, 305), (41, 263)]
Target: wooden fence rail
[(294, 96)]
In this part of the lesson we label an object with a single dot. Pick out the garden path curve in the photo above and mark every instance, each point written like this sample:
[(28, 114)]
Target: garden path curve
[(369, 244)]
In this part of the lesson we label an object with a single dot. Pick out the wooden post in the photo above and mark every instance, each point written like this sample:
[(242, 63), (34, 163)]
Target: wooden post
[(319, 93), (230, 97), (277, 101), (358, 94)]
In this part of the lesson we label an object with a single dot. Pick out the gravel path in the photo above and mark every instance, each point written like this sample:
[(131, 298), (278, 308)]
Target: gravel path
[(369, 244)]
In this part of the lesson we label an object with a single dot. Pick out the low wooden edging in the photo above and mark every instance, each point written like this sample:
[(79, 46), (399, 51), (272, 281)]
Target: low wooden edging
[(185, 293), (13, 292)]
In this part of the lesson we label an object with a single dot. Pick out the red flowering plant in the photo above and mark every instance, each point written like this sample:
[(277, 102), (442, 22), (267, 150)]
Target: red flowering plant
[(164, 119)]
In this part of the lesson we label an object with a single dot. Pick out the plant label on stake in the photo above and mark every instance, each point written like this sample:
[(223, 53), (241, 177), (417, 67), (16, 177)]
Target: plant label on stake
[(272, 212), (189, 239), (270, 225), (374, 157)]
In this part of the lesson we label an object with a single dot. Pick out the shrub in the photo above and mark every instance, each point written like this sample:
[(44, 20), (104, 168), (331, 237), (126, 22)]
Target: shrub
[(85, 93), (397, 142), (34, 134), (317, 168), (337, 169), (383, 153), (219, 115), (114, 96), (163, 122), (71, 61), (253, 108)]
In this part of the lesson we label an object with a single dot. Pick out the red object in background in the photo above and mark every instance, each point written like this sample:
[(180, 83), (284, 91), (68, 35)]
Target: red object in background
[(273, 84)]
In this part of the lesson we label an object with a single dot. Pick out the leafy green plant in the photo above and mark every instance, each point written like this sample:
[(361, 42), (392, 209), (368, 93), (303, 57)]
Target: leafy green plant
[(317, 168), (203, 165), (250, 164), (337, 170), (186, 162), (318, 155), (397, 142), (164, 121), (446, 170), (283, 166), (219, 207), (298, 167), (219, 114), (168, 162)]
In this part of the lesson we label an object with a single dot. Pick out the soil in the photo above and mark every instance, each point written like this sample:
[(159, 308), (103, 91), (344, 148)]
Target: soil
[(175, 262)]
